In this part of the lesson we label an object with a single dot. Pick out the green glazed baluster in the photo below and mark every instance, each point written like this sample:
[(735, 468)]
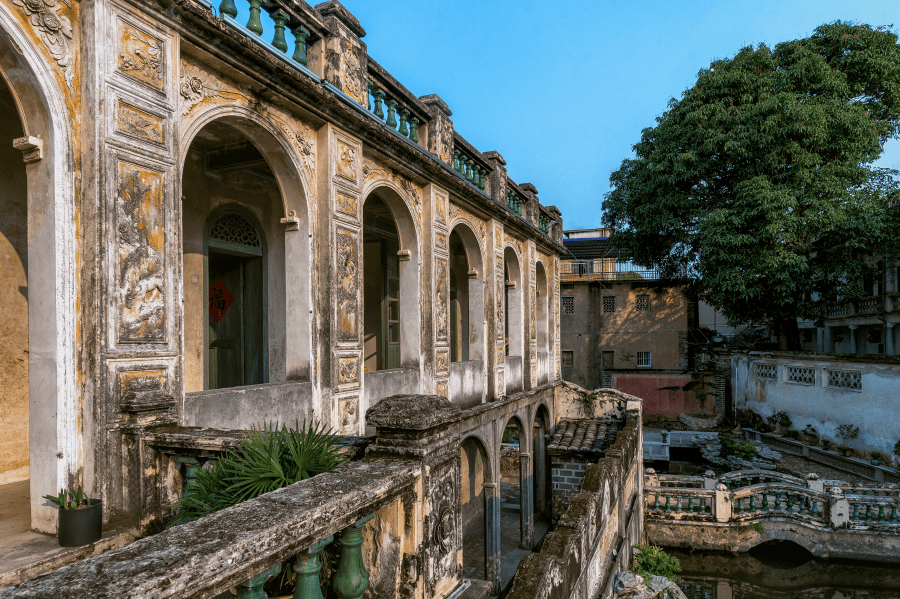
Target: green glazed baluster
[(868, 512), (855, 515), (413, 130), (280, 17), (803, 501), (881, 512), (753, 503), (392, 114), (253, 588), (227, 7), (790, 502), (191, 467), (815, 508), (456, 160), (481, 175), (254, 24), (404, 117), (476, 175), (656, 503), (703, 505), (668, 507), (691, 508), (777, 501), (300, 49), (307, 568), (379, 98), (351, 579), (894, 514), (470, 171)]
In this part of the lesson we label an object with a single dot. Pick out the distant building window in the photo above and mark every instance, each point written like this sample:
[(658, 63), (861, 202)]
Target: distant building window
[(609, 303), (845, 379), (608, 357), (801, 375), (568, 359), (767, 371), (643, 303), (643, 359), (568, 304)]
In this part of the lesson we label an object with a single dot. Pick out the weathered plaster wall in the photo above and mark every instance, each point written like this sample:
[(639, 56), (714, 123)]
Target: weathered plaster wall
[(467, 383), (13, 296), (250, 406), (661, 403), (203, 192), (873, 409)]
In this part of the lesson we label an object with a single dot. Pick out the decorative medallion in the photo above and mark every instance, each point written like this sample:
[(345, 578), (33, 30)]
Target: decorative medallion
[(348, 369)]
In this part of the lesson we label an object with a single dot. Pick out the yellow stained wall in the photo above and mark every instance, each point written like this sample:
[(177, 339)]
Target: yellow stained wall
[(13, 295)]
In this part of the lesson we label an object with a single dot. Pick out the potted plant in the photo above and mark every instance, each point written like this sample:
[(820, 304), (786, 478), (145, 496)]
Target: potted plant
[(876, 457), (826, 444), (80, 518), (779, 421), (792, 433), (847, 432), (664, 435)]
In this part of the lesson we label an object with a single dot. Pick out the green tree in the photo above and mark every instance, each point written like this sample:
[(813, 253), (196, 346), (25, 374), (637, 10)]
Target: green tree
[(758, 182)]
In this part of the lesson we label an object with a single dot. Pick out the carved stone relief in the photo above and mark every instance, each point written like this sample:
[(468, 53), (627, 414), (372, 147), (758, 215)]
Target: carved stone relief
[(501, 355), (346, 204), (501, 383), (516, 244), (440, 208), (346, 269), (440, 241), (140, 124), (442, 363), (348, 369), (413, 193), (143, 390), (442, 299), (443, 388), (351, 72), (140, 239), (533, 302), (197, 85), (501, 315), (477, 224), (55, 31), (534, 373), (346, 161), (141, 56), (442, 534), (348, 415), (302, 138), (498, 237), (446, 140)]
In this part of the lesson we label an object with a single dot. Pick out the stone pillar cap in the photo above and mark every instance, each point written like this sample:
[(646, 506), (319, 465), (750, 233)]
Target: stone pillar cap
[(412, 412), (338, 11), (495, 155), (435, 101)]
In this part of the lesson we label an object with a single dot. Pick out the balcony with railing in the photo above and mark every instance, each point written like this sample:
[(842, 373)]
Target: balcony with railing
[(867, 306), (606, 269)]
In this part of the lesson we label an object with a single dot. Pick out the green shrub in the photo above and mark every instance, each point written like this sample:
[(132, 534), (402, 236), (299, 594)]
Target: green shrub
[(779, 419), (793, 434), (654, 561), (741, 449), (268, 459), (897, 449), (847, 432)]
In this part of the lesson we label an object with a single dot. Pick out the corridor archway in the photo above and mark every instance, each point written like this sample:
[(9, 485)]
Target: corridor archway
[(476, 493), (514, 323), (246, 255), (468, 381), (542, 324)]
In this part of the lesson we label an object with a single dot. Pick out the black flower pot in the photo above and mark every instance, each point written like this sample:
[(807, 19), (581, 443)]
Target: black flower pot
[(82, 526)]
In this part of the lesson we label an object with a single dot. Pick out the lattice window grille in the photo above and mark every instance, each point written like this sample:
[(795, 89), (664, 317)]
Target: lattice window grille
[(643, 303), (568, 358), (568, 304), (767, 371), (234, 228), (845, 379), (609, 303), (801, 375), (643, 359), (607, 380), (608, 359)]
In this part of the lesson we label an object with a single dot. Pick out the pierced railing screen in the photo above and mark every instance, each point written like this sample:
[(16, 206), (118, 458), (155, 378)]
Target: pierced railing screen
[(568, 304), (609, 303), (767, 371), (845, 379), (801, 374), (643, 303)]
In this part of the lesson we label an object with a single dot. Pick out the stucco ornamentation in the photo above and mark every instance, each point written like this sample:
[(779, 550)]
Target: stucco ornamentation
[(413, 193), (440, 209), (141, 56), (55, 31), (347, 288), (501, 355), (457, 213), (498, 236), (443, 388), (346, 204), (442, 362), (140, 124), (196, 85), (440, 241), (351, 70), (348, 369), (442, 299), (140, 228), (301, 137), (501, 383), (533, 302), (346, 161), (446, 140), (501, 320)]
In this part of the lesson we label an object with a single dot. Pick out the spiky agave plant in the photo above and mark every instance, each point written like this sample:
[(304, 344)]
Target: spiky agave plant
[(268, 459)]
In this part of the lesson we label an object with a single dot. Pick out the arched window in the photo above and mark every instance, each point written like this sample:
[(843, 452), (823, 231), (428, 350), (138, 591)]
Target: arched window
[(237, 314)]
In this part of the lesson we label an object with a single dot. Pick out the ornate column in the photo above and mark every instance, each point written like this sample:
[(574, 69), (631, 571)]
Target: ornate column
[(496, 340), (421, 428), (526, 501)]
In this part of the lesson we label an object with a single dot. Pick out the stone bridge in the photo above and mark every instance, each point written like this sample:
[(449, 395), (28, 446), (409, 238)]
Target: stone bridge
[(742, 509)]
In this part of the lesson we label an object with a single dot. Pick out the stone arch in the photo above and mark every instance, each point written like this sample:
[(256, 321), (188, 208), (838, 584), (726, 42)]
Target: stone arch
[(290, 285), (409, 269), (541, 426), (542, 322), (474, 285), (56, 437), (477, 502), (514, 315)]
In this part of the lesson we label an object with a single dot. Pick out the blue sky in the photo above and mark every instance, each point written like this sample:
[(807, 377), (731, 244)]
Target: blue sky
[(562, 90)]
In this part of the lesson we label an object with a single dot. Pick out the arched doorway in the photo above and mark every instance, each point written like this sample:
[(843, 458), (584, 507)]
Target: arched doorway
[(514, 323), (246, 254), (476, 493), (48, 448), (467, 319), (542, 324), (541, 468)]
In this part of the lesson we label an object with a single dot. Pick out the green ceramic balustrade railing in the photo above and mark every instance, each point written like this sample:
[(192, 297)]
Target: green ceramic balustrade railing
[(882, 510), (514, 202), (349, 580), (679, 504), (283, 23), (397, 116), (469, 169), (544, 224)]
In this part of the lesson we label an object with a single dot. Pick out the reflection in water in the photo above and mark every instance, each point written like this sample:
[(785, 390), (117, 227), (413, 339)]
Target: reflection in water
[(782, 571)]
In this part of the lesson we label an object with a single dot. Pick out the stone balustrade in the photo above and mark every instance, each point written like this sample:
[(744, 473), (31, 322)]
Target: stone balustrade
[(291, 31), (471, 168), (396, 114), (514, 201)]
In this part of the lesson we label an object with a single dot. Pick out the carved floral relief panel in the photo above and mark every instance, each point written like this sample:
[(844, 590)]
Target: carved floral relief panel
[(440, 241), (501, 383), (140, 124), (140, 242), (348, 369), (54, 30), (440, 208), (443, 388), (346, 204), (141, 56), (347, 272), (442, 363), (442, 299), (532, 310), (347, 161)]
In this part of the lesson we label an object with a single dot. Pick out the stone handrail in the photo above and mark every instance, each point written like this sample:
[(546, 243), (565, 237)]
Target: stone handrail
[(675, 480), (745, 478), (875, 489), (675, 503), (770, 500), (879, 512), (243, 545)]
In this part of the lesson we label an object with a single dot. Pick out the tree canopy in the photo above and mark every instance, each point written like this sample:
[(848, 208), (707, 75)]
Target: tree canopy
[(758, 181)]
